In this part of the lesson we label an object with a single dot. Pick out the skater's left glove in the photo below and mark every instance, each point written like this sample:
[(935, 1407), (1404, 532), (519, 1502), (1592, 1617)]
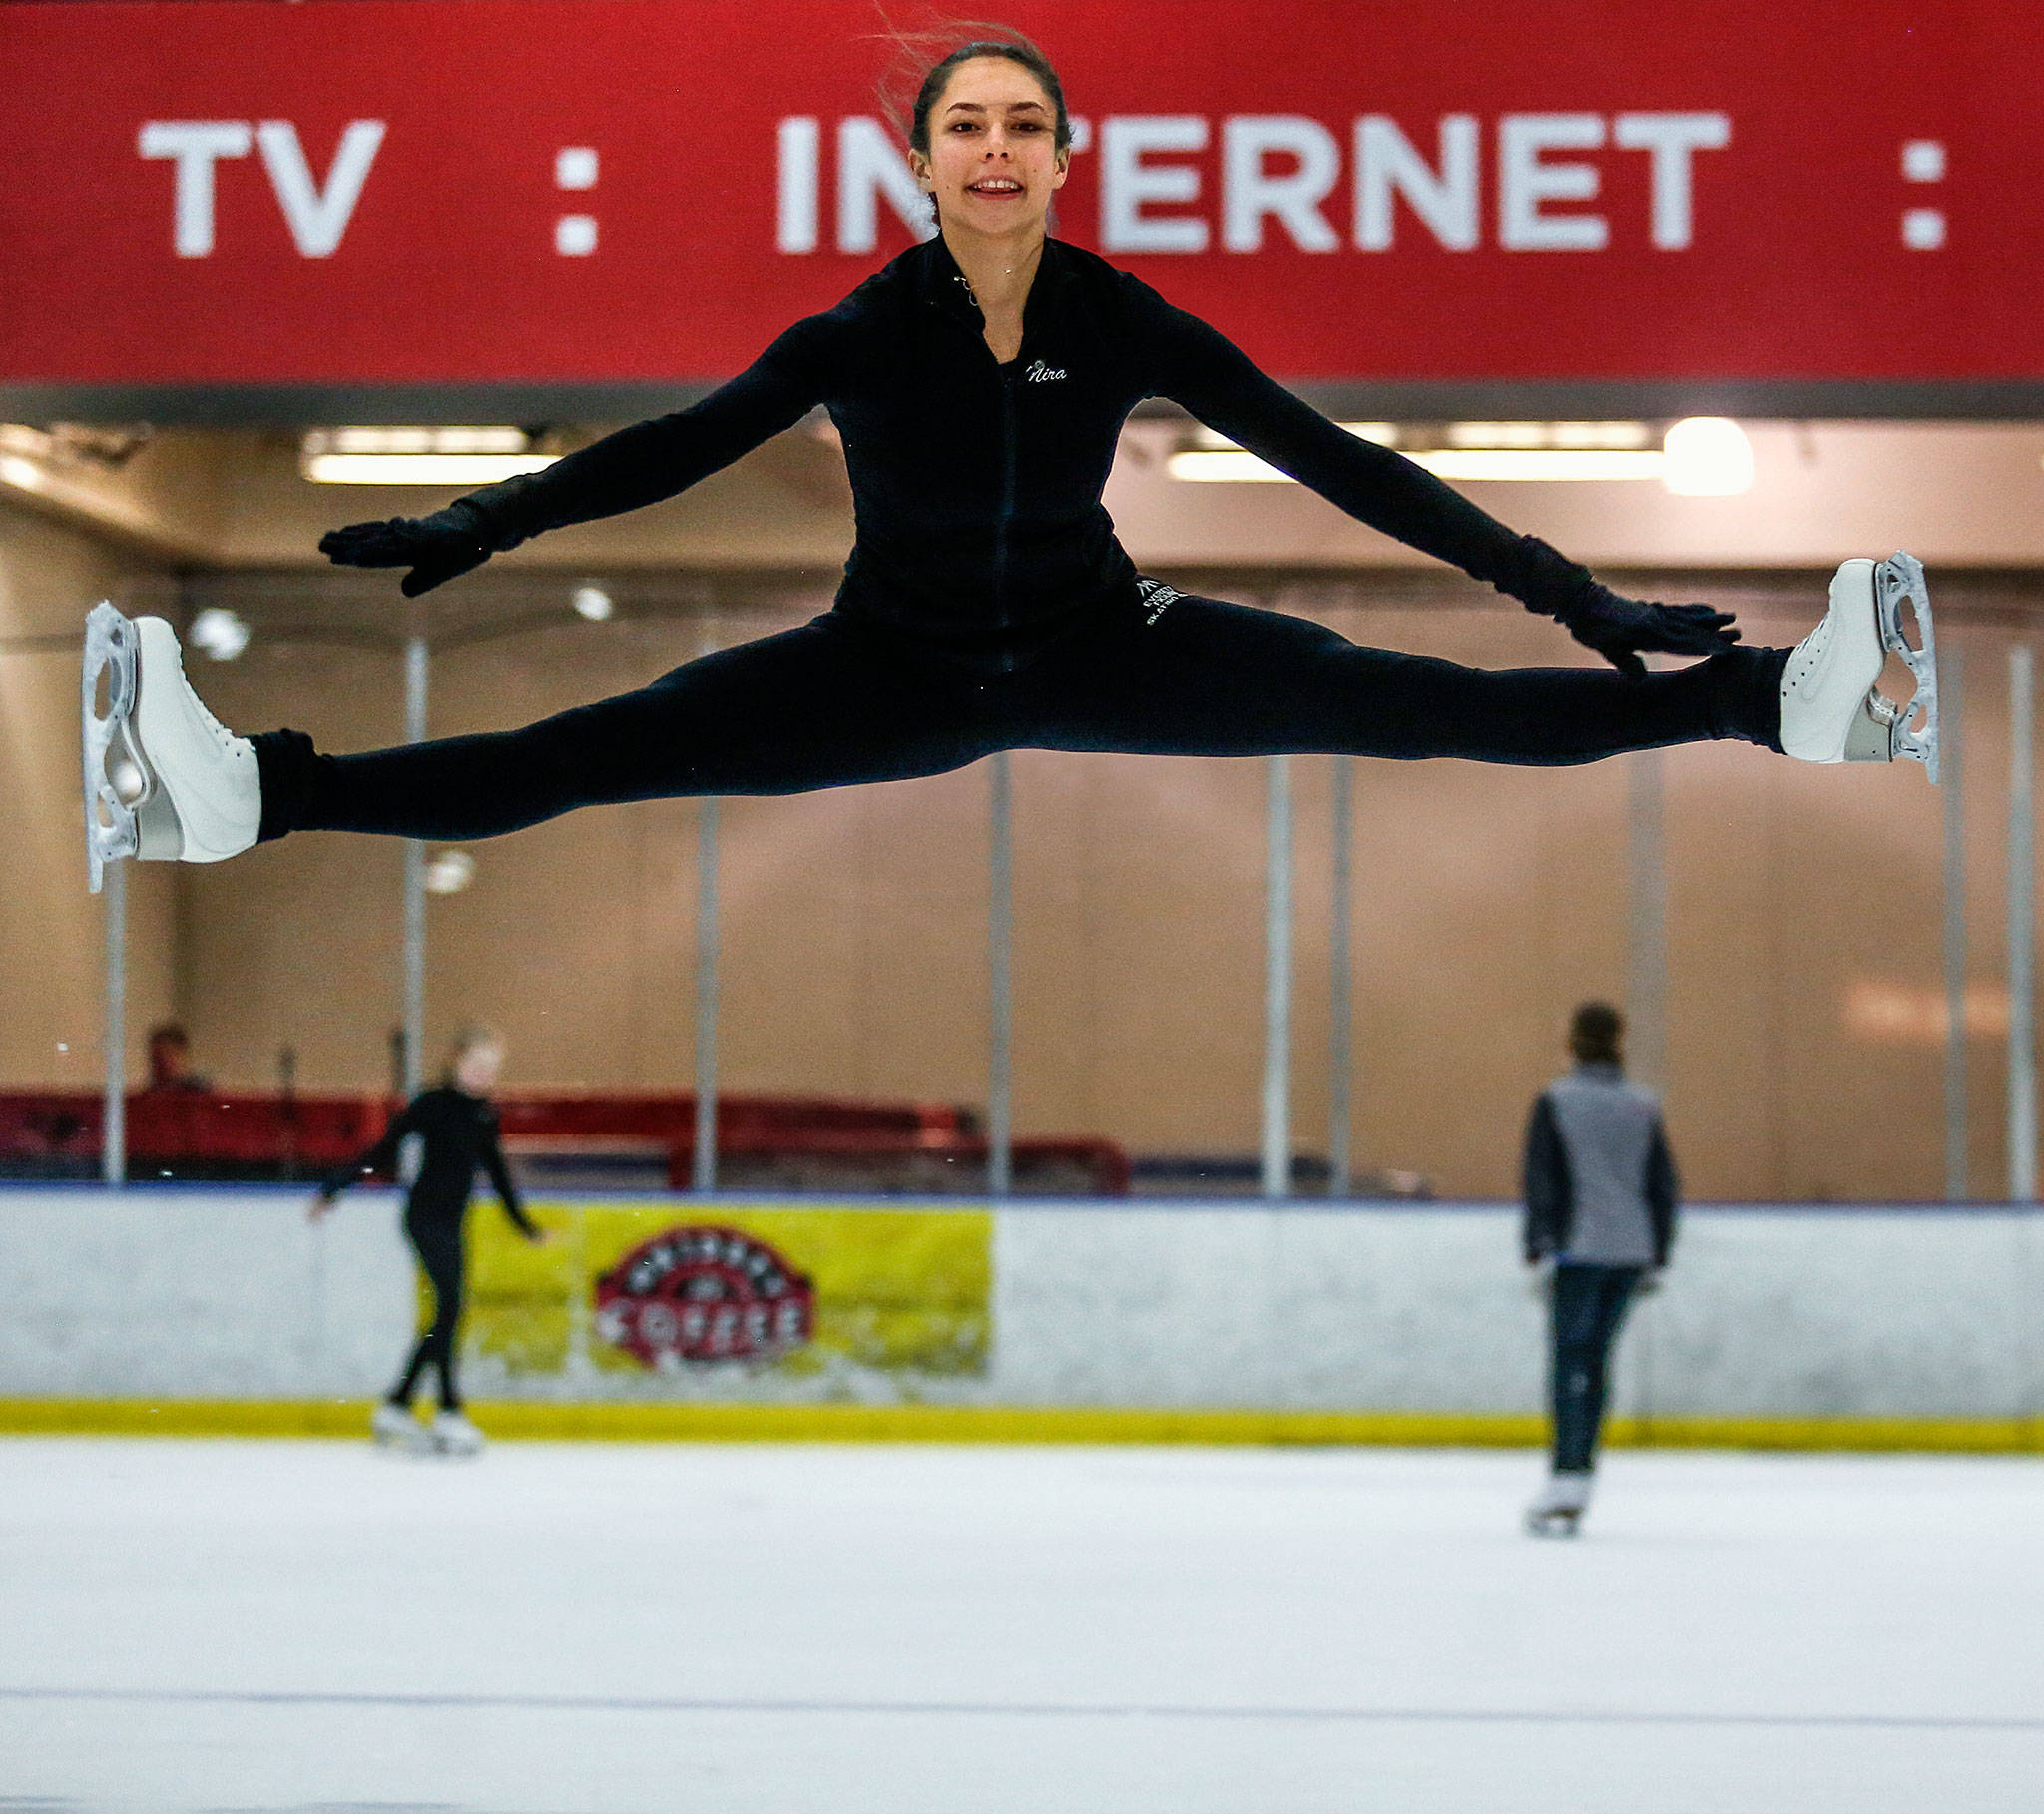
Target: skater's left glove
[(1618, 628)]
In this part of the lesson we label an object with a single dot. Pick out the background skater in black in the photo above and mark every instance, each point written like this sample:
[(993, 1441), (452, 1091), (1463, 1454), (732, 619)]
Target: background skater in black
[(456, 1125), (979, 384), (1601, 1193)]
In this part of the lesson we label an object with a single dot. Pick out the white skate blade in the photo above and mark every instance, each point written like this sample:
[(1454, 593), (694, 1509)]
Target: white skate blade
[(1912, 729), (111, 827)]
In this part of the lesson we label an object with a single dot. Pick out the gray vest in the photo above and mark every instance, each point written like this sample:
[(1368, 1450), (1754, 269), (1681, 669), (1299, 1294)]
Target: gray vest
[(1607, 1126)]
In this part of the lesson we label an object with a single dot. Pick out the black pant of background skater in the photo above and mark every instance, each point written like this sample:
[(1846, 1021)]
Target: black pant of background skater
[(456, 1125)]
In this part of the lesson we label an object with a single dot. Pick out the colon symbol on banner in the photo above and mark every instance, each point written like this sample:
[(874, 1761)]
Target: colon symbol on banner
[(705, 1294)]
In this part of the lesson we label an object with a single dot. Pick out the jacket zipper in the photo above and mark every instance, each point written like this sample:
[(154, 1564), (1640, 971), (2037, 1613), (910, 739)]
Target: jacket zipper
[(1008, 476)]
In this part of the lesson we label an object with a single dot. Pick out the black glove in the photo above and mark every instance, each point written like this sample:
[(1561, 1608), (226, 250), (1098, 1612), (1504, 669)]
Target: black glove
[(1617, 627), (435, 548)]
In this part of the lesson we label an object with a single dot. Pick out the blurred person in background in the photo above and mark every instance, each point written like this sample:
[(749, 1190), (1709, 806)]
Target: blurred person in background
[(979, 385), (1600, 1195), (169, 1060), (455, 1125)]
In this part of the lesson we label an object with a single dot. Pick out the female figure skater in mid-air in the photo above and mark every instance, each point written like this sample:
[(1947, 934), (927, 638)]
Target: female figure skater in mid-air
[(979, 382), (456, 1125)]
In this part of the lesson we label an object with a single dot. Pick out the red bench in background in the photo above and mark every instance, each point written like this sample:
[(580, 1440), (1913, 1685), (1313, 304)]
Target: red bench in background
[(560, 1140)]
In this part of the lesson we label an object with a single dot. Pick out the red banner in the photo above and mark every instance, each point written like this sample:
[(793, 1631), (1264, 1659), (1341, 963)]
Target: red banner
[(351, 192)]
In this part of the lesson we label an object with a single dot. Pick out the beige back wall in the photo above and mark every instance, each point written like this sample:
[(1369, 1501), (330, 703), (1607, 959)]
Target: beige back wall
[(1489, 901)]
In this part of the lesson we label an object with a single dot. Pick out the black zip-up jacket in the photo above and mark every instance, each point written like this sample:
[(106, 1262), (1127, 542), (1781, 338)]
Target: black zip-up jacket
[(459, 1132), (977, 485)]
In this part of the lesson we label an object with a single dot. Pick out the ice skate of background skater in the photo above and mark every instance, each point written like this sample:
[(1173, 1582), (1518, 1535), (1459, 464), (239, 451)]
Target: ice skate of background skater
[(456, 1125), (979, 384)]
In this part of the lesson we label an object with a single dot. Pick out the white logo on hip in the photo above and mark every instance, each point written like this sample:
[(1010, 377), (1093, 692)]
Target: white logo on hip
[(1040, 373)]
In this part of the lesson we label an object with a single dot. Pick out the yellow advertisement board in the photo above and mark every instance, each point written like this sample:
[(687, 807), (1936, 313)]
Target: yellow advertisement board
[(673, 1290)]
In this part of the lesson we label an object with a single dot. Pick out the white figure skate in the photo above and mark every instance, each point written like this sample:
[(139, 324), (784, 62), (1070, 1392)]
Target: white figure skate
[(1832, 709), (163, 779), (394, 1427), (1559, 1509), (453, 1433)]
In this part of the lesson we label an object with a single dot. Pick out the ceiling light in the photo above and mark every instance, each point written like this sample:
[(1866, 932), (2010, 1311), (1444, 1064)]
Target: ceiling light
[(1599, 434), (1572, 435), (418, 456), (1223, 466), (221, 633), (449, 871), (1484, 452), (593, 602), (1497, 434), (1486, 464), (1384, 434), (1707, 457), (1566, 463)]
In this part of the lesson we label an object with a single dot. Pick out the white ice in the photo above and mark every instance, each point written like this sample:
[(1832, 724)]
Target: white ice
[(554, 1629)]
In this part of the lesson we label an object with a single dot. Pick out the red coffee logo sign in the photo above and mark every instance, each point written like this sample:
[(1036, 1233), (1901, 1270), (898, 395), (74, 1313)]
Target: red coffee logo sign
[(705, 1294)]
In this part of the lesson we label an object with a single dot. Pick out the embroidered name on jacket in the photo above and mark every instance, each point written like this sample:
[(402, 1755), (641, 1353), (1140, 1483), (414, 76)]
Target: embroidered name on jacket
[(1040, 373)]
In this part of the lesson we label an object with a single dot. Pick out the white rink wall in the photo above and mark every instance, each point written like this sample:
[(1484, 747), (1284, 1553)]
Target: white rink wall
[(1768, 1312)]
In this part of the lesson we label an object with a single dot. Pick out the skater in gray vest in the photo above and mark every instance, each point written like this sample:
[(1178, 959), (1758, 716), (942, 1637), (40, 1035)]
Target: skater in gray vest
[(1601, 1193)]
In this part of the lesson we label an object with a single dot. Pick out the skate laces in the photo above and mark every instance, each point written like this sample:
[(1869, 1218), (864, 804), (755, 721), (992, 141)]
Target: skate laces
[(222, 736)]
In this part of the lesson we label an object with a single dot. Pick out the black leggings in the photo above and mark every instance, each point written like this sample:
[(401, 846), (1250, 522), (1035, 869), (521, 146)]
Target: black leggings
[(439, 1253), (1590, 1303), (838, 702)]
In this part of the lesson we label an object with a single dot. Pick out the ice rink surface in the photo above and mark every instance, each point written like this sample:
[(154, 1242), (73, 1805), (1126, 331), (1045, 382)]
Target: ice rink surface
[(846, 1631)]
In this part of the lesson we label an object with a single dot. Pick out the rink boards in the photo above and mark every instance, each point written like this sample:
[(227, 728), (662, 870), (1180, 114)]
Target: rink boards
[(203, 1310)]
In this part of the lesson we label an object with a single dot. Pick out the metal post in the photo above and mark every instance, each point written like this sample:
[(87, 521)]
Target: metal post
[(1949, 683), (1278, 977), (1342, 985), (1000, 1145), (415, 883), (2022, 930), (113, 1113), (1645, 984), (703, 1177)]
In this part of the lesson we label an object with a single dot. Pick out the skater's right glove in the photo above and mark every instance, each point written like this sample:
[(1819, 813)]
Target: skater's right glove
[(435, 548), (1618, 628)]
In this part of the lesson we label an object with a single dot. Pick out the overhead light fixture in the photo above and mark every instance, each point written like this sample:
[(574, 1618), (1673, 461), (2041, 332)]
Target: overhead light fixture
[(1707, 457), (418, 456), (1214, 459), (1223, 466), (221, 633), (1543, 463), (449, 871), (1703, 456), (1558, 435), (593, 602)]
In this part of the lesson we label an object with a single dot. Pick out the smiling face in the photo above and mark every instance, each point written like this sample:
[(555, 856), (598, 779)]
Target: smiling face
[(992, 164)]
